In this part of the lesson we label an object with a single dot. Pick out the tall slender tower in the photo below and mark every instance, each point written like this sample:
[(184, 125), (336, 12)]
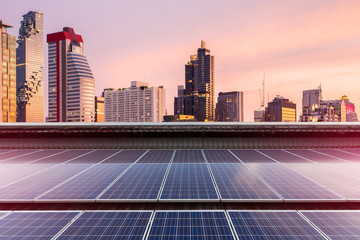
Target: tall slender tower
[(71, 83), (29, 65), (7, 75), (199, 93)]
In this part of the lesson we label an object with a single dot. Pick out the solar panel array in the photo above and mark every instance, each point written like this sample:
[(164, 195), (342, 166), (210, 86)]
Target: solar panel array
[(180, 224), (299, 175)]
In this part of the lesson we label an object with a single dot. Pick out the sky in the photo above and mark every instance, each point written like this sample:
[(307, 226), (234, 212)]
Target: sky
[(297, 45)]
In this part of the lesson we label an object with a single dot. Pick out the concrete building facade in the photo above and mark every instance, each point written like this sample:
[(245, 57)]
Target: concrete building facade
[(280, 110), (230, 107)]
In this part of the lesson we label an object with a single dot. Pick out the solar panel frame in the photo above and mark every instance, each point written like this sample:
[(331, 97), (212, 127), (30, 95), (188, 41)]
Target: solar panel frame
[(188, 156), (66, 157), (281, 156), (343, 154), (18, 153), (33, 157), (212, 156), (251, 156), (184, 225), (126, 156), (94, 157), (314, 156), (165, 156)]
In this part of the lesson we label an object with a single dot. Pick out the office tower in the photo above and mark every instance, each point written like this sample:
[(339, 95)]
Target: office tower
[(99, 109), (29, 66), (179, 101), (311, 97), (280, 110), (71, 83), (199, 92), (138, 103), (259, 115), (230, 107), (7, 75)]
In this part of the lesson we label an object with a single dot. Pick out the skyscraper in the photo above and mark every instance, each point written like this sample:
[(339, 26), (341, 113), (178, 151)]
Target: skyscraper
[(99, 109), (7, 75), (311, 97), (138, 103), (280, 110), (30, 62), (230, 107), (199, 92), (71, 83)]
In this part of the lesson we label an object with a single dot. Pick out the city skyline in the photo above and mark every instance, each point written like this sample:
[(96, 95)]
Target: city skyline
[(318, 43)]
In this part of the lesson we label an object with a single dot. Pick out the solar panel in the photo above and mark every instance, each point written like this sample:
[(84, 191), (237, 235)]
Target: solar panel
[(63, 157), (188, 156), (336, 224), (125, 156), (140, 182), (340, 154), (190, 225), (284, 157), (322, 174), (291, 185), (355, 151), (10, 155), (157, 156), (89, 184), (108, 225), (237, 183), (94, 157), (2, 151), (272, 225), (220, 156), (34, 225), (351, 170), (252, 156), (33, 186), (189, 182), (314, 156), (32, 156)]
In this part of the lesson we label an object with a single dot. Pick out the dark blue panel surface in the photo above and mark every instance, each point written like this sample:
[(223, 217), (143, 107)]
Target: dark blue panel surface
[(108, 225), (252, 156), (126, 156), (157, 156), (94, 157), (17, 153), (283, 156), (220, 156), (141, 181), (63, 157), (201, 225), (189, 181), (32, 156), (188, 156)]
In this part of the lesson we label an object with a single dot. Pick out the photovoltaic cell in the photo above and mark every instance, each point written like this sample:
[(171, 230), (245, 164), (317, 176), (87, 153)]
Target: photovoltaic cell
[(284, 157), (252, 156), (190, 225), (289, 184), (93, 157), (34, 225), (89, 184), (220, 156), (314, 156), (33, 186), (352, 150), (236, 181), (31, 157), (188, 156), (62, 157), (2, 151), (125, 156), (157, 156), (108, 225), (340, 154), (338, 225), (17, 153), (189, 181), (272, 225), (141, 181)]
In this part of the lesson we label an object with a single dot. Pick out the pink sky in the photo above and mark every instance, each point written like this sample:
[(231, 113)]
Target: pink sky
[(297, 44)]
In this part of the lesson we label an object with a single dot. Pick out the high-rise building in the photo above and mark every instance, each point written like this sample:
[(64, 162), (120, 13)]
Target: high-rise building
[(99, 109), (71, 83), (179, 101), (7, 75), (259, 115), (311, 97), (29, 65), (280, 110), (199, 94), (230, 107), (138, 103)]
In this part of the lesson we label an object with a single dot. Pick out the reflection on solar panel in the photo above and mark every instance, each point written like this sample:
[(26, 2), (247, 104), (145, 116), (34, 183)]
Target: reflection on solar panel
[(282, 156), (343, 185), (17, 153), (251, 156), (31, 187), (236, 181), (125, 156), (351, 170), (314, 156), (336, 224), (340, 154), (190, 225), (272, 225), (289, 184), (93, 157), (32, 156), (189, 181), (2, 151), (220, 156), (157, 156), (141, 181), (34, 225), (89, 184), (188, 156), (63, 157), (2, 214), (353, 151), (108, 225)]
